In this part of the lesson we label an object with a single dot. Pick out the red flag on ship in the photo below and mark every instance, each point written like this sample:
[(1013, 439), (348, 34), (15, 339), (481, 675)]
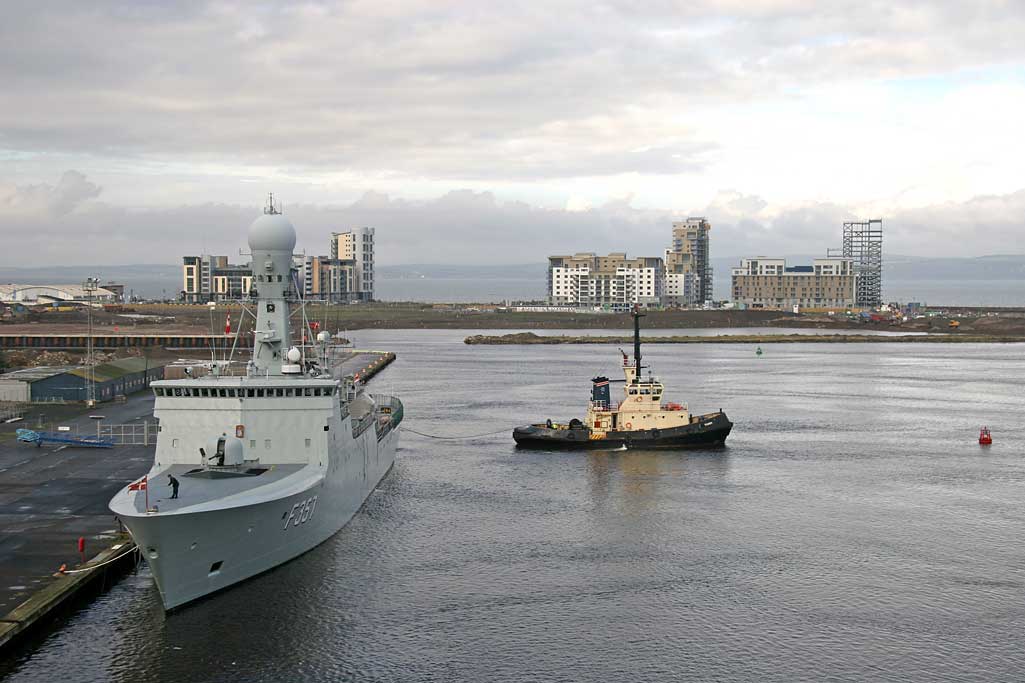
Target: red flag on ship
[(139, 485), (227, 324)]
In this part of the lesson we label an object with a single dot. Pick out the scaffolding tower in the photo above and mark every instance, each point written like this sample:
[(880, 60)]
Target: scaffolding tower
[(863, 242)]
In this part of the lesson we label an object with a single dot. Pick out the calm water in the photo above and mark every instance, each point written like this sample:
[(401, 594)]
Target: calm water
[(852, 530)]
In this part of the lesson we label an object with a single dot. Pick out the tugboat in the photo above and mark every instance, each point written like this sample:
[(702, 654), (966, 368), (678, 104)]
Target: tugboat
[(985, 438), (640, 420)]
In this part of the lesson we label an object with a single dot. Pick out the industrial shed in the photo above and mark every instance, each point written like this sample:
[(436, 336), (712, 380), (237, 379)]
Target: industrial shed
[(17, 385), (117, 378)]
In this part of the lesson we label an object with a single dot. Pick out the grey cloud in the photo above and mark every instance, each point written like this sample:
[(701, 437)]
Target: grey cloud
[(476, 228), (447, 90), (48, 200)]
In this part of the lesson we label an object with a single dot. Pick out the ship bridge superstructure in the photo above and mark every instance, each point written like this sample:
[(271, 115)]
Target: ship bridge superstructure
[(641, 406)]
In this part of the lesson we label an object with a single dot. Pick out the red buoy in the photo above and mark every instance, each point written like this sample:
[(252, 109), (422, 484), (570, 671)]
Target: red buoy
[(985, 438)]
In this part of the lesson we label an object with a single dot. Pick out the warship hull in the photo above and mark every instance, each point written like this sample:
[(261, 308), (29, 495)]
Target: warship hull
[(707, 431), (193, 554)]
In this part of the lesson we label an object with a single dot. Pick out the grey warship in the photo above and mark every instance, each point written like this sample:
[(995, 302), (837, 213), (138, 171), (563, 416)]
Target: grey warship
[(270, 464)]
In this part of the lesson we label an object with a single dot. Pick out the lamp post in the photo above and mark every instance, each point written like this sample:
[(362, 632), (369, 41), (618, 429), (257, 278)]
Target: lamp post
[(90, 286)]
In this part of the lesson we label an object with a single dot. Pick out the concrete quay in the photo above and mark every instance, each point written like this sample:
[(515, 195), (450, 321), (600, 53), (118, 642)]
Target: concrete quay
[(51, 496)]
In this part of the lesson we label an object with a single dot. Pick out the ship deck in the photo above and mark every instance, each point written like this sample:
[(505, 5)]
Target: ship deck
[(198, 485)]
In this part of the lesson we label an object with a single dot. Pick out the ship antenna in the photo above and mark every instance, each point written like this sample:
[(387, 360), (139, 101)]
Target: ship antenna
[(270, 209), (637, 342)]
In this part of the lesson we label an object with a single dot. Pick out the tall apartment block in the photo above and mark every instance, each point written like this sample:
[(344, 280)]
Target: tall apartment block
[(770, 283), (863, 243), (688, 268), (357, 246), (612, 282), (211, 278)]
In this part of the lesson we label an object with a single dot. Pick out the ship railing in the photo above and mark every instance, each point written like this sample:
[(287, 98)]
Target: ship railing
[(389, 415), (363, 424)]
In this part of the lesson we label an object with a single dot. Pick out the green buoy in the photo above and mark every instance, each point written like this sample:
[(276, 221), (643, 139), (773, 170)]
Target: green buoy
[(758, 351)]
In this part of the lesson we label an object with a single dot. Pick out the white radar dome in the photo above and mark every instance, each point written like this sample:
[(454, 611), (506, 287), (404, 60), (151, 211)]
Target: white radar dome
[(324, 337), (293, 355), (272, 232)]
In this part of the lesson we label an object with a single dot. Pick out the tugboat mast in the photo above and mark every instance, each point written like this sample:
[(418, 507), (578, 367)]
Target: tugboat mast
[(637, 342)]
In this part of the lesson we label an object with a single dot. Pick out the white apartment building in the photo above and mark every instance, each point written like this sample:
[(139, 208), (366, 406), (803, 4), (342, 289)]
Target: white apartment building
[(611, 282)]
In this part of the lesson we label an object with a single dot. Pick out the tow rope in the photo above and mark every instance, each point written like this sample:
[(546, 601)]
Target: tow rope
[(457, 438)]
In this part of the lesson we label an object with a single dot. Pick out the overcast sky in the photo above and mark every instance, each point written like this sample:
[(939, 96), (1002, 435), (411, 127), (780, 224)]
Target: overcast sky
[(491, 132)]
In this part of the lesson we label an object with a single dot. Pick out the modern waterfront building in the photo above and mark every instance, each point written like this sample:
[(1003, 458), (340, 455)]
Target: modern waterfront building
[(211, 278), (612, 282), (329, 279), (357, 246), (688, 268), (770, 283), (346, 275)]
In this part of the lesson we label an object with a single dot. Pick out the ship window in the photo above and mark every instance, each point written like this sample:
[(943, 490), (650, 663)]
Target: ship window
[(259, 393), (279, 392), (231, 393), (174, 443), (633, 392), (288, 393), (221, 393), (250, 393), (266, 444), (308, 443)]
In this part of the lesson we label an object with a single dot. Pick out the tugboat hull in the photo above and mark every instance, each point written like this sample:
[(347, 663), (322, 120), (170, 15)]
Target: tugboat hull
[(707, 431)]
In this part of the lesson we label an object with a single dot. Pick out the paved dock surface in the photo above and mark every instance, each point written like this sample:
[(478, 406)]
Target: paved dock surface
[(50, 496)]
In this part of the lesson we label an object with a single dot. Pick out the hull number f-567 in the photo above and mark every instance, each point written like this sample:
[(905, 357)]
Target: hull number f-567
[(301, 512)]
